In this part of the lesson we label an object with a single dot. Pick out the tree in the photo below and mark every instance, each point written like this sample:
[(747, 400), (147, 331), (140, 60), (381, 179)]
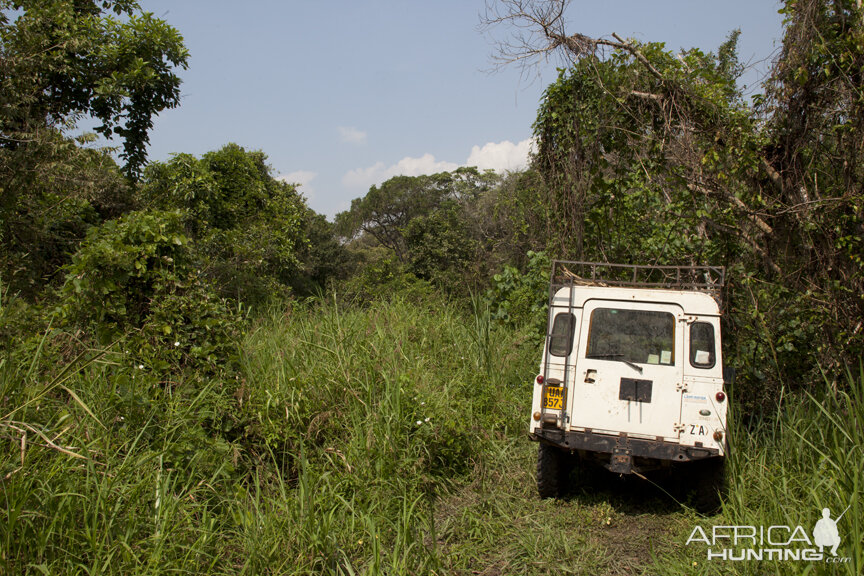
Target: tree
[(443, 249), (429, 226), (650, 155), (49, 195), (62, 60), (385, 211), (614, 141), (248, 228), (814, 113), (322, 257)]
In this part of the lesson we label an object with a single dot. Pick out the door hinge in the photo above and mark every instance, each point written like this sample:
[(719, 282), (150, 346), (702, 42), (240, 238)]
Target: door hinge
[(679, 427), (681, 387)]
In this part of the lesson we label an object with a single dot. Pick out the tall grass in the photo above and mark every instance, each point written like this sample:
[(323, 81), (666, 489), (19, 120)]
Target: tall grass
[(376, 412), (347, 425), (808, 457), (382, 440), (785, 468)]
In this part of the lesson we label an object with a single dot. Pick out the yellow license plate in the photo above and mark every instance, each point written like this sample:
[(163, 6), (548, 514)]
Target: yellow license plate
[(553, 398)]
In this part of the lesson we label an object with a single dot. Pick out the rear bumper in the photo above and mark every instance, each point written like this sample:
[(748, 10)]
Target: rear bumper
[(622, 448)]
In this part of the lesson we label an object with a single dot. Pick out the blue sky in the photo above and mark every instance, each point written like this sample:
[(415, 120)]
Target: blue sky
[(343, 94)]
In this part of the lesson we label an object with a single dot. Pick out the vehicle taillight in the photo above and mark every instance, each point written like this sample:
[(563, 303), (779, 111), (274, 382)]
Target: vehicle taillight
[(540, 379), (721, 396)]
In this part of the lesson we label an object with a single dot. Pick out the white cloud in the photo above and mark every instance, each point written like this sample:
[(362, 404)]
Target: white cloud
[(498, 156), (501, 156), (351, 135), (379, 172), (301, 178)]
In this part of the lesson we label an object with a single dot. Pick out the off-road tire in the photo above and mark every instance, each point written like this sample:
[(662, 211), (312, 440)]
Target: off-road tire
[(710, 485), (553, 471)]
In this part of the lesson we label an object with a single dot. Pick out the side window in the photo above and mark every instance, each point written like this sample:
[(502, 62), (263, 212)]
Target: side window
[(561, 339), (702, 345)]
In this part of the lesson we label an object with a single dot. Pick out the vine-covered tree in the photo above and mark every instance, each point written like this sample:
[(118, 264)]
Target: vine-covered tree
[(646, 154), (247, 227)]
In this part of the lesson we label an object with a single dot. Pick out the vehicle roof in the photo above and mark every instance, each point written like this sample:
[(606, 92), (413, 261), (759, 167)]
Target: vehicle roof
[(691, 301)]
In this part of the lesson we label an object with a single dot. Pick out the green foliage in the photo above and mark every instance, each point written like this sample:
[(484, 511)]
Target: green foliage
[(609, 150), (520, 215), (249, 230), (66, 59), (380, 276), (122, 265), (521, 298), (107, 464), (336, 468), (385, 212), (244, 185), (353, 420), (51, 191), (786, 467), (441, 248), (384, 438), (653, 157), (186, 183), (135, 274), (63, 61), (323, 260), (434, 225), (815, 117)]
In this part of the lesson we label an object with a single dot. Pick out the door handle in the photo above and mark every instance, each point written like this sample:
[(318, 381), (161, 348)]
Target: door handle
[(590, 375)]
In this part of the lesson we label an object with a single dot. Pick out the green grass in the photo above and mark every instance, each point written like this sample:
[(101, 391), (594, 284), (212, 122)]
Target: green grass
[(389, 439), (785, 468)]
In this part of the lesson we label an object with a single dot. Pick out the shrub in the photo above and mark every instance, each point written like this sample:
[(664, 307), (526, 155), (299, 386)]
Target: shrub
[(517, 298), (135, 274)]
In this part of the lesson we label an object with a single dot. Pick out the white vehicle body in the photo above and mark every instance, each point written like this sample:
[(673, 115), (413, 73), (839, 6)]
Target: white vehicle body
[(631, 376)]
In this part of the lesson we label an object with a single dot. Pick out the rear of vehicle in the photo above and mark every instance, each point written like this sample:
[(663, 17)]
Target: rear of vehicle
[(632, 374)]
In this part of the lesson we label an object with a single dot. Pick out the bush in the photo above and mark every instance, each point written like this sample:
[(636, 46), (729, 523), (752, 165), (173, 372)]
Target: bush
[(247, 229), (119, 268), (134, 275), (381, 276), (518, 298)]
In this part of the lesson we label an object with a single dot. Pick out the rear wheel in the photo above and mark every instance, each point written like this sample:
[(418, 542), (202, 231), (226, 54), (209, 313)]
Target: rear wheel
[(553, 471), (711, 485)]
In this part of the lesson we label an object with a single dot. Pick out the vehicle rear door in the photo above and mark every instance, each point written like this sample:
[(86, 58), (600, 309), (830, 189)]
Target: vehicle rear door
[(629, 369)]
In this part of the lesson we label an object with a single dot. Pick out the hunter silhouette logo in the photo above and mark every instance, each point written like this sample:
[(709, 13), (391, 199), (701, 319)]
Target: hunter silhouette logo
[(825, 533), (776, 542)]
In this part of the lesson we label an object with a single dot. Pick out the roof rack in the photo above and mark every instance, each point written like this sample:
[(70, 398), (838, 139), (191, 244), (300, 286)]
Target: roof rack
[(708, 279)]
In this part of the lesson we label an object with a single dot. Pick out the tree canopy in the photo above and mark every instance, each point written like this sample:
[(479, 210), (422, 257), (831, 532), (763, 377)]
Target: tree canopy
[(62, 61)]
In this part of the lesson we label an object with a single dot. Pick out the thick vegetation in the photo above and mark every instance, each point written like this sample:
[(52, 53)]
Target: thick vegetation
[(201, 375), (388, 439)]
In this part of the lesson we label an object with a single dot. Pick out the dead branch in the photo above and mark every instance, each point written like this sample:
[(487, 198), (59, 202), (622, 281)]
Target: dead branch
[(646, 95), (537, 33)]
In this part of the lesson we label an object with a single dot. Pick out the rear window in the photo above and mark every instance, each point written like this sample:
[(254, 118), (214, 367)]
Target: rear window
[(702, 345), (639, 336), (561, 338)]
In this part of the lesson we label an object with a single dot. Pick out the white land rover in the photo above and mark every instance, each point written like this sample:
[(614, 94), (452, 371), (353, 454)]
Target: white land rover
[(632, 373)]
